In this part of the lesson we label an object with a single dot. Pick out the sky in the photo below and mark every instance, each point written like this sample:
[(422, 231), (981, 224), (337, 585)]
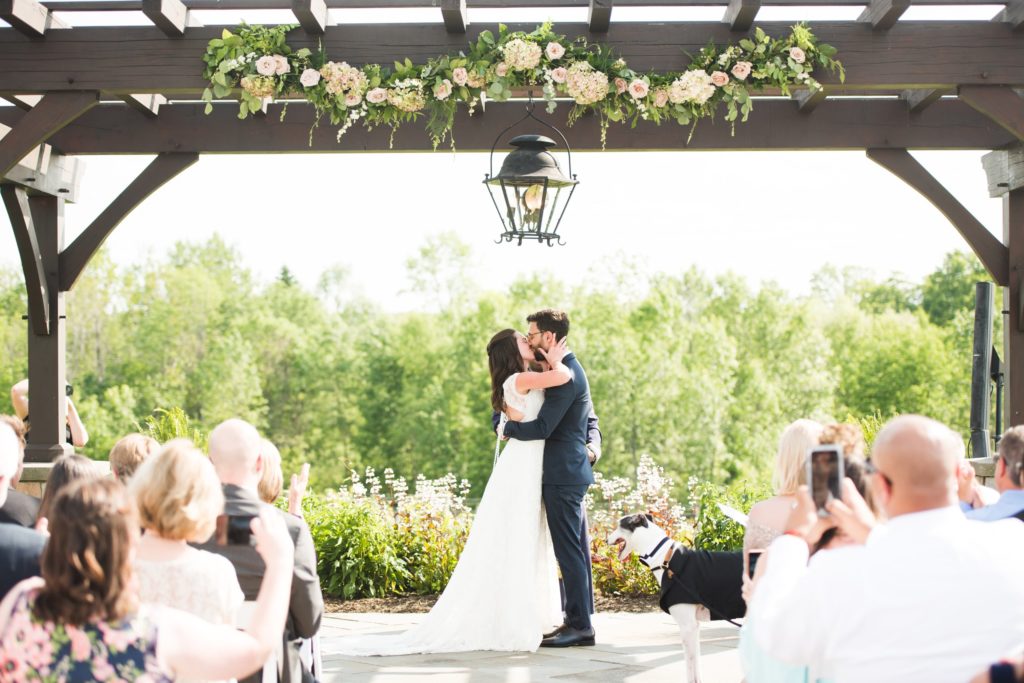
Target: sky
[(769, 216)]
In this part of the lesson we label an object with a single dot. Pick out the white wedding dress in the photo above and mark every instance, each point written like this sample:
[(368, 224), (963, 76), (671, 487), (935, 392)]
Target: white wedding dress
[(503, 594)]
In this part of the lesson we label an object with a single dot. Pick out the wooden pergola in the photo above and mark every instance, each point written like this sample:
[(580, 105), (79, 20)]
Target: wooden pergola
[(910, 85)]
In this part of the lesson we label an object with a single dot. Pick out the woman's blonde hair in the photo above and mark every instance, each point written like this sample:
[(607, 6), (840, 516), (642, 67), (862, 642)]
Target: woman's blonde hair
[(794, 443), (130, 452), (178, 493), (272, 480)]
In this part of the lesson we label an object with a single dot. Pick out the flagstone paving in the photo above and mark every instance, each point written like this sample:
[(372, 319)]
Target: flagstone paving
[(637, 648)]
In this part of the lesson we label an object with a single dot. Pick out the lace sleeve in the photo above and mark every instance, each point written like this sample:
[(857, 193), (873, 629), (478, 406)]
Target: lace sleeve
[(512, 395)]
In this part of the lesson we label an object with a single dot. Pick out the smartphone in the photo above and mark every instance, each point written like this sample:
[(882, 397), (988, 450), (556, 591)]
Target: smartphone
[(753, 556), (824, 474), (234, 529)]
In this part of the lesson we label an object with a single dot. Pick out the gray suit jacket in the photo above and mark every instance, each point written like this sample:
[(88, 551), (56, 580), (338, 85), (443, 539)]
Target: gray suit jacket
[(306, 607)]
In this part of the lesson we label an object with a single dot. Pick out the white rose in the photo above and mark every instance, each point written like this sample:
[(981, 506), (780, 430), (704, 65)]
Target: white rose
[(460, 76), (309, 78), (638, 89), (797, 55), (559, 74), (377, 95), (443, 90), (352, 99), (554, 51), (266, 65), (281, 65)]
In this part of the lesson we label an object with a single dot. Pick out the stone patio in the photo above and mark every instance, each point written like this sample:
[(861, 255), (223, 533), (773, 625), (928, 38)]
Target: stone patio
[(639, 648)]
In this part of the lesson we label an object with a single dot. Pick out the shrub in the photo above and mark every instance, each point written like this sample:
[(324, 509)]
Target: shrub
[(164, 425), (715, 531)]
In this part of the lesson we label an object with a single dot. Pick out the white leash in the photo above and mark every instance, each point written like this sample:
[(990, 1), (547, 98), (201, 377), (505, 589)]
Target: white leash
[(497, 444)]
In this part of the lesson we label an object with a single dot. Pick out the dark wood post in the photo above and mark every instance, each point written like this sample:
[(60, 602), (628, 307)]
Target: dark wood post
[(46, 352), (1013, 330)]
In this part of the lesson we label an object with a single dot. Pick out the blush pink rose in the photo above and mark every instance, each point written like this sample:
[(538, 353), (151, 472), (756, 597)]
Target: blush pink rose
[(353, 99), (620, 85), (554, 51), (281, 65), (443, 90), (638, 89), (460, 76), (559, 74), (660, 98), (266, 65), (719, 78), (797, 55), (741, 70), (501, 69), (376, 96), (309, 78)]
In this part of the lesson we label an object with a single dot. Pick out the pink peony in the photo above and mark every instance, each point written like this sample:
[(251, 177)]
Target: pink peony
[(554, 51), (620, 85), (309, 78), (797, 55), (719, 78), (559, 74), (353, 99), (660, 98), (376, 96), (281, 65), (741, 70), (501, 69), (266, 65), (638, 89), (460, 76), (443, 90)]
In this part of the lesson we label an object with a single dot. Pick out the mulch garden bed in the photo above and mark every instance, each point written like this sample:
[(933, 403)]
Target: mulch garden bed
[(423, 603)]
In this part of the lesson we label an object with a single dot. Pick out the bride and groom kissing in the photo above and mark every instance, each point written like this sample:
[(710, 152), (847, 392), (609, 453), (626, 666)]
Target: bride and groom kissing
[(504, 593)]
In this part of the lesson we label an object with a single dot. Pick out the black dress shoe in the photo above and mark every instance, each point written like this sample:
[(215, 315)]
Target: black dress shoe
[(570, 637), (556, 631)]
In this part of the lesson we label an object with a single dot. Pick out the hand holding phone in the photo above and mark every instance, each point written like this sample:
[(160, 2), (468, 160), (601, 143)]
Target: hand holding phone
[(234, 530), (824, 475)]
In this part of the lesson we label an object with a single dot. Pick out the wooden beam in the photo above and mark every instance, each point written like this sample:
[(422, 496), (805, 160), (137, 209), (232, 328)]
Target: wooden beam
[(132, 59), (1000, 103), (883, 14), (312, 15), (16, 202), (1013, 330), (43, 171), (599, 15), (774, 124), (170, 16), (52, 113), (740, 14), (992, 253), (453, 12), (1012, 14), (808, 100), (147, 105), (78, 254), (1004, 169), (918, 100), (29, 17)]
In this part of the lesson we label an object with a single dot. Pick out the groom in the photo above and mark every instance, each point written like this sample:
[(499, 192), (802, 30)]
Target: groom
[(567, 476)]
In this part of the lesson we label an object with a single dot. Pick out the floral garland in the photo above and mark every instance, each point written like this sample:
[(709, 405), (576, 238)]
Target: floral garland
[(257, 60)]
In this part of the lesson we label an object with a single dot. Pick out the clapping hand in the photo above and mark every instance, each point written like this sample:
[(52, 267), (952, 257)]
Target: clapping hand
[(297, 490), (556, 353)]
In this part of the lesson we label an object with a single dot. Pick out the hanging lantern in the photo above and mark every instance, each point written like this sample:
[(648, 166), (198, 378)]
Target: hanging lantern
[(530, 193)]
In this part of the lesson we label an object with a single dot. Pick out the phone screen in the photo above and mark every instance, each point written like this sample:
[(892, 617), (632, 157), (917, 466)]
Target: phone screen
[(753, 556), (825, 472), (234, 530)]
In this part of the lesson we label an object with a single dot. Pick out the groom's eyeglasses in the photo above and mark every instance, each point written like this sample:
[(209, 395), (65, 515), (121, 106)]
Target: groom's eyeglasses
[(529, 335)]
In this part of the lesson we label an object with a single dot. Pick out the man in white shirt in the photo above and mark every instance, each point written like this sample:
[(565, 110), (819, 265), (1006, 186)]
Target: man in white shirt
[(929, 597)]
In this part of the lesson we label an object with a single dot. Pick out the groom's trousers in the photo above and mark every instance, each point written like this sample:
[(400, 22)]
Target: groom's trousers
[(567, 523)]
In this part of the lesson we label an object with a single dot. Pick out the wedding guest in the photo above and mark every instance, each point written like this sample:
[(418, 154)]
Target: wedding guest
[(179, 497), (767, 518), (903, 623), (235, 451), (66, 469), (20, 548), (128, 453), (82, 621), (20, 508), (77, 434), (1009, 480)]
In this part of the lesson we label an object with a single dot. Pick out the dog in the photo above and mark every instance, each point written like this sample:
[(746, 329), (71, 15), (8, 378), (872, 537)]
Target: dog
[(688, 578)]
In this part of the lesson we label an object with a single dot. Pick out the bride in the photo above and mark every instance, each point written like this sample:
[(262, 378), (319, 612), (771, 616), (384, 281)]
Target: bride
[(503, 593)]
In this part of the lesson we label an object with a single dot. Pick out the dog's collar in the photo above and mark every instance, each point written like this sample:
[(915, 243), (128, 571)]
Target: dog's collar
[(655, 551)]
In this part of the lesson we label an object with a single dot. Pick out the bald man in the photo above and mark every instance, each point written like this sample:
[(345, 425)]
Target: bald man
[(929, 596), (20, 548), (236, 453)]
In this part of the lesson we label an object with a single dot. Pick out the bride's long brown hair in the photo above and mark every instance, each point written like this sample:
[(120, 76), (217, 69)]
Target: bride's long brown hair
[(504, 359)]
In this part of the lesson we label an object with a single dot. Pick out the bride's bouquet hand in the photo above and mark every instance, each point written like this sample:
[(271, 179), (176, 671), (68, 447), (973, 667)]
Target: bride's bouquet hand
[(556, 353)]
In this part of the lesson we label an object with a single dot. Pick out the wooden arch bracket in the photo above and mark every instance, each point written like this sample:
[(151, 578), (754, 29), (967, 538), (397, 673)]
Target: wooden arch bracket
[(993, 254), (78, 254), (999, 103), (53, 112), (16, 202)]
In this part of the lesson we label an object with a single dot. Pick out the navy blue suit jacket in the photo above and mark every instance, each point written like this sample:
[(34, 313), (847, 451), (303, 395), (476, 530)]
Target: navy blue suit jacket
[(562, 422), (20, 549)]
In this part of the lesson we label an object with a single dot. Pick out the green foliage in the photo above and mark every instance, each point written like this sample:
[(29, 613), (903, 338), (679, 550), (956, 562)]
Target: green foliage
[(715, 531), (165, 425), (951, 288)]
